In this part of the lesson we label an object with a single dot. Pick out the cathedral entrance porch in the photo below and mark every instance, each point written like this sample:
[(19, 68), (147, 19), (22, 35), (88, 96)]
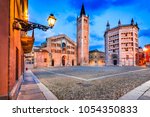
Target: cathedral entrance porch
[(63, 60)]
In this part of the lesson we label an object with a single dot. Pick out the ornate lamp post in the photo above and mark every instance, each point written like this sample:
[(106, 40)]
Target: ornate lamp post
[(25, 25)]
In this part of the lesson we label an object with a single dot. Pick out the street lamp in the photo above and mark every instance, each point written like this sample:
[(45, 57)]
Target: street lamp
[(25, 25), (51, 20)]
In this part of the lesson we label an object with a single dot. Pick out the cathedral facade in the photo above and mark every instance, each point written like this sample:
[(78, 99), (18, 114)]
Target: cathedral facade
[(62, 51)]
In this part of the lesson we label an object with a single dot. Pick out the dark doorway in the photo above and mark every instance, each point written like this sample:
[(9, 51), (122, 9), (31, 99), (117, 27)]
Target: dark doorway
[(115, 62), (72, 62), (17, 63), (63, 60), (52, 62)]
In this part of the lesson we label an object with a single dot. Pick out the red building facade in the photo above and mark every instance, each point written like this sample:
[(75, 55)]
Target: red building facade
[(147, 53), (12, 47), (140, 57)]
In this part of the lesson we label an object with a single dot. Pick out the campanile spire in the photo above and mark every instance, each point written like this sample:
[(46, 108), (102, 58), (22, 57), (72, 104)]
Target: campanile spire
[(83, 38), (82, 10)]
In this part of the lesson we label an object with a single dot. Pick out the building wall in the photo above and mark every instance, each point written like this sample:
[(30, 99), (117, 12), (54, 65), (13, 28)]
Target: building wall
[(58, 52), (83, 40), (4, 39), (129, 46), (11, 66), (29, 60), (96, 59), (42, 59), (141, 58), (121, 45), (112, 46), (147, 54), (17, 10), (68, 60), (57, 55)]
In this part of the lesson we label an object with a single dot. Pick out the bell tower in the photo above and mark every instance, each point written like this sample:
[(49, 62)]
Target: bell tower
[(83, 38)]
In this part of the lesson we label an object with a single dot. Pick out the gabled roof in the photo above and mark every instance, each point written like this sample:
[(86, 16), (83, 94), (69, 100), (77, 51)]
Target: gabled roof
[(62, 36)]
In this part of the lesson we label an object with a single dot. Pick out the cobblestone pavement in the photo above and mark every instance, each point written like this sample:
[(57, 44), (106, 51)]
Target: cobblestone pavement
[(89, 73), (92, 82), (141, 92)]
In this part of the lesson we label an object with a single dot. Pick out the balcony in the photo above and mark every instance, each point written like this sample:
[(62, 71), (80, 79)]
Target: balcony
[(27, 43)]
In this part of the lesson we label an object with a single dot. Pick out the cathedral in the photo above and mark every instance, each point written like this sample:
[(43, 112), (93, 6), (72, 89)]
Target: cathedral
[(60, 50)]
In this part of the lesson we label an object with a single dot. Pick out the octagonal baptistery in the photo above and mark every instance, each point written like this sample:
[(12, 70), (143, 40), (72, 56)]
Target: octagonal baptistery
[(121, 44)]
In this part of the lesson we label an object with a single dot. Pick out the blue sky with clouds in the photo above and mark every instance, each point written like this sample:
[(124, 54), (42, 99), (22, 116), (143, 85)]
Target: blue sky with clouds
[(99, 11)]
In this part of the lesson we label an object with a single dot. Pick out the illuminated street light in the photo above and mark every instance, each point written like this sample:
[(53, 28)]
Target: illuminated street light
[(51, 20), (25, 25)]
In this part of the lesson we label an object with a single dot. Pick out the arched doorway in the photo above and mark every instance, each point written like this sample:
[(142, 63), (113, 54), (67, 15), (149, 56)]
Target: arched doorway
[(115, 62), (115, 59), (63, 60), (52, 62), (72, 62)]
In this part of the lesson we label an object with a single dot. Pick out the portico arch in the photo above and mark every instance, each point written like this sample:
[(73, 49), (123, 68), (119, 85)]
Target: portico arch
[(63, 60)]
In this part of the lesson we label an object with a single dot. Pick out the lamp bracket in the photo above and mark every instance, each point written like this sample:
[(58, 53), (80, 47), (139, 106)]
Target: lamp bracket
[(27, 25)]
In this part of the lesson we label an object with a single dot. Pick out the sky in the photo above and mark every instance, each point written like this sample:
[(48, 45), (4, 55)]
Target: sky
[(99, 11)]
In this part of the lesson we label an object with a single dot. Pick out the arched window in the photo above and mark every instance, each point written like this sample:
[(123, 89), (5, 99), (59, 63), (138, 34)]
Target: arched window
[(63, 45), (114, 56)]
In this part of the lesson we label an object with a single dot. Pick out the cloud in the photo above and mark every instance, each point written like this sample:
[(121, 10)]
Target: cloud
[(95, 37), (97, 7), (37, 43), (122, 2), (96, 42), (99, 12), (92, 22), (71, 18), (145, 33), (91, 6), (40, 36)]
